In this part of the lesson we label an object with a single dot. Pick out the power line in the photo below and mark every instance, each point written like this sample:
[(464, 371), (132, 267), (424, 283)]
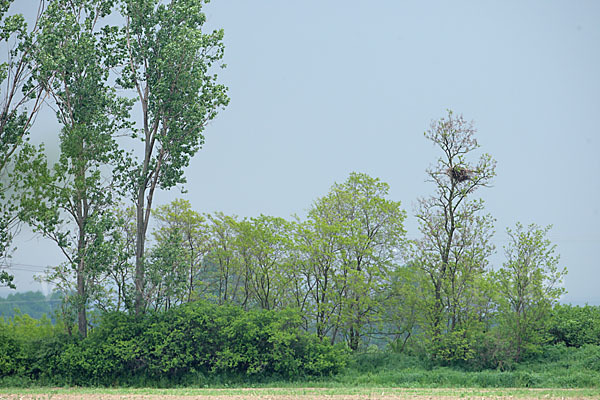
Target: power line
[(10, 265), (2, 301), (24, 269)]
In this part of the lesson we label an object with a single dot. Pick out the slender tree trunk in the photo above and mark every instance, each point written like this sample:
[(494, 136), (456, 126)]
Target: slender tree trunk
[(81, 300), (354, 339), (139, 253), (81, 289), (82, 217), (143, 207)]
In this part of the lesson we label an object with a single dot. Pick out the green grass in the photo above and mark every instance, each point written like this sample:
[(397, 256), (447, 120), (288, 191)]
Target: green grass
[(559, 368)]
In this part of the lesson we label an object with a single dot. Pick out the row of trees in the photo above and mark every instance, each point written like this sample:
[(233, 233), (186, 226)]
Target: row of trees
[(92, 74), (335, 267), (350, 272)]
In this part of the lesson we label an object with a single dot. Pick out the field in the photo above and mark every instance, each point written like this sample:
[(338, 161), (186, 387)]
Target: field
[(296, 393)]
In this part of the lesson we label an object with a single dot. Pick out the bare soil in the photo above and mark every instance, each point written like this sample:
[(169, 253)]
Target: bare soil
[(309, 394)]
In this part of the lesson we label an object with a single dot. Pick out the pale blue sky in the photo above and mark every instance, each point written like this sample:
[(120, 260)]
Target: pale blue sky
[(322, 88)]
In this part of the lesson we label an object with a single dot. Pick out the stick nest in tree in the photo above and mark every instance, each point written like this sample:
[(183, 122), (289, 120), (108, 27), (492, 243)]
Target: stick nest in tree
[(460, 174)]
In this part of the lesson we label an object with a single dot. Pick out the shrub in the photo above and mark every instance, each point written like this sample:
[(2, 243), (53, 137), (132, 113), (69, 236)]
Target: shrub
[(194, 342), (11, 353), (575, 325)]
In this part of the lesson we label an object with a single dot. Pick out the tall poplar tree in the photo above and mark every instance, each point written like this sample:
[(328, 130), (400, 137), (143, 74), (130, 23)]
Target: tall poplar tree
[(69, 202), (169, 61)]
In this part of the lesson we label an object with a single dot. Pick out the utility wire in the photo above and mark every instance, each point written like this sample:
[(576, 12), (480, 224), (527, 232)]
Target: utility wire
[(2, 301)]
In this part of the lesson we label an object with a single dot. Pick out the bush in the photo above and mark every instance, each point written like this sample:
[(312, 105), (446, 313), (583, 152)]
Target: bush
[(575, 326), (188, 344), (10, 353), (20, 338)]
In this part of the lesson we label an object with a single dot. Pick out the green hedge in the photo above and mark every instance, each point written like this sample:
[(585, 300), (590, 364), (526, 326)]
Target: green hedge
[(575, 326), (186, 345)]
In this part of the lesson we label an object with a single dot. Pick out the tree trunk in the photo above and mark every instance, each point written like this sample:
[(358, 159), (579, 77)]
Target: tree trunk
[(81, 300), (139, 254)]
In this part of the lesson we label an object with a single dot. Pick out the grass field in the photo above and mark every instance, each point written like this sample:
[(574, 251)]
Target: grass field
[(296, 393)]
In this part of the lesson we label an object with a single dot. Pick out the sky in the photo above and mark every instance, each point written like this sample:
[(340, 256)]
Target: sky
[(320, 89)]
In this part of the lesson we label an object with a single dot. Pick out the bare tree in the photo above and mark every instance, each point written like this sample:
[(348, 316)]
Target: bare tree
[(455, 244)]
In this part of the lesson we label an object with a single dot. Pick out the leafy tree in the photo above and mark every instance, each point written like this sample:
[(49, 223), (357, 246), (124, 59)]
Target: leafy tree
[(405, 305), (20, 101), (119, 268), (264, 246), (575, 325), (352, 242), (528, 284), (224, 256), (317, 248), (455, 239), (166, 268), (70, 202), (168, 65), (179, 223)]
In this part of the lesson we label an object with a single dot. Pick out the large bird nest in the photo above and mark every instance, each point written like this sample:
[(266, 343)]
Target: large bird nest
[(460, 174)]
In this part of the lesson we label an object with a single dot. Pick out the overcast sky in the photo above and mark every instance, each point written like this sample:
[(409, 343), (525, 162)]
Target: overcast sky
[(323, 88)]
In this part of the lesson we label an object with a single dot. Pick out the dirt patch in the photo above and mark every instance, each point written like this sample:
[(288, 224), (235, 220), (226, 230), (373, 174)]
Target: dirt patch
[(307, 394)]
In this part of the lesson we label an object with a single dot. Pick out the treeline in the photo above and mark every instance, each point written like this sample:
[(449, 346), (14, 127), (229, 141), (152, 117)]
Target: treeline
[(34, 304), (347, 268), (336, 268), (228, 298)]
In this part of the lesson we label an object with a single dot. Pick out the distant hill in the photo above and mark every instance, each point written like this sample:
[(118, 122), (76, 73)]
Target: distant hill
[(34, 304)]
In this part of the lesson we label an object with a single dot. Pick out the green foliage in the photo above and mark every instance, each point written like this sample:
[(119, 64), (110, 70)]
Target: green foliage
[(168, 64), (192, 341), (10, 353), (575, 325), (20, 337), (557, 367), (69, 202), (5, 278), (265, 251), (45, 362), (528, 284), (268, 343), (372, 362), (453, 347), (177, 271), (335, 268), (200, 343), (347, 250), (169, 59)]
